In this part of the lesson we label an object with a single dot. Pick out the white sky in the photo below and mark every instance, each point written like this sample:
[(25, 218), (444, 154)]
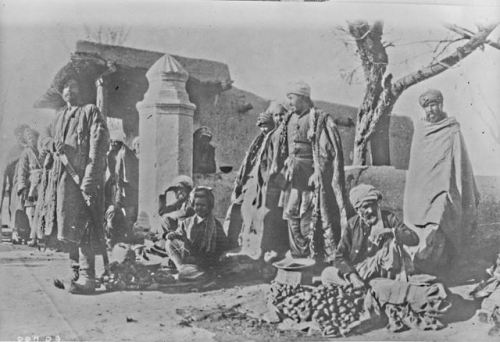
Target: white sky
[(266, 45)]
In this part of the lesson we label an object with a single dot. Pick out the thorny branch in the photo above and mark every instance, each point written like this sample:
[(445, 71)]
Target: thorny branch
[(381, 93), (446, 44), (467, 34), (443, 64)]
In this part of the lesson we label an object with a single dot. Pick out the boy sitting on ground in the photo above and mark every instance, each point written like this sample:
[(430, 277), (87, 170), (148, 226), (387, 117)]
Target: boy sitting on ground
[(200, 239)]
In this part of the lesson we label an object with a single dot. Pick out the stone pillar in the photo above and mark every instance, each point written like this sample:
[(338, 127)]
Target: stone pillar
[(166, 133), (102, 96)]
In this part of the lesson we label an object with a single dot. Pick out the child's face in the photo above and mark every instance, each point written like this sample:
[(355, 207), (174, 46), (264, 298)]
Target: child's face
[(201, 207)]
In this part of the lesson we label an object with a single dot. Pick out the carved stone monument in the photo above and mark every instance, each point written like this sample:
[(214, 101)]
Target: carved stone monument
[(166, 129)]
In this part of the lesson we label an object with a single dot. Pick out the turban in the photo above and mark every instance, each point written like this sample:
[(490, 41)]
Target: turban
[(362, 193), (203, 131), (135, 142), (275, 107), (431, 95), (265, 118), (300, 88), (116, 135), (181, 181)]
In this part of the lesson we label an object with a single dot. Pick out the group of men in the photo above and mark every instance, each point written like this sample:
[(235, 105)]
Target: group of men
[(22, 177), (293, 171)]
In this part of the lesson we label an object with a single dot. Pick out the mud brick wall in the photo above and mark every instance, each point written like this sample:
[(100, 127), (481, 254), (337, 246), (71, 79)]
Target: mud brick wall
[(388, 179)]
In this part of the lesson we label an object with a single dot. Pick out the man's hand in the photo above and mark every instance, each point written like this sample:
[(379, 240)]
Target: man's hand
[(89, 198), (59, 147), (356, 281), (314, 180), (172, 236), (377, 235), (385, 231)]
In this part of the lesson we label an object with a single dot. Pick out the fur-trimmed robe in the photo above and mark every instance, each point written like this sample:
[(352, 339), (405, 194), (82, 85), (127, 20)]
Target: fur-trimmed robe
[(84, 133), (328, 162)]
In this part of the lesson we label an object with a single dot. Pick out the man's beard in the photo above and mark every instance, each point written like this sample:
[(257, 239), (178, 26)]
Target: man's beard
[(370, 219), (71, 99)]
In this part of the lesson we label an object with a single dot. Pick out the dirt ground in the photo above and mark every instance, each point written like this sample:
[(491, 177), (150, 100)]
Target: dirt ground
[(32, 307)]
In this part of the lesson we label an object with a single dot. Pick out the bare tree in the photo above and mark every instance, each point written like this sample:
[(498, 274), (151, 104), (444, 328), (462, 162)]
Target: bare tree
[(113, 35), (381, 92)]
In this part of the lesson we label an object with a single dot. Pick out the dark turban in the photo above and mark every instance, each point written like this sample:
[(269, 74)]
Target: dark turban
[(431, 95), (203, 131)]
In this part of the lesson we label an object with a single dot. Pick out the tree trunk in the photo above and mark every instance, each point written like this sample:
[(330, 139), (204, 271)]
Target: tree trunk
[(374, 62), (381, 94)]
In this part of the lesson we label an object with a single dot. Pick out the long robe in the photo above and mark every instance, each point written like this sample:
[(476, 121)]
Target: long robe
[(84, 133), (27, 178), (440, 187), (8, 177), (203, 239), (244, 190), (275, 228), (329, 198), (127, 172)]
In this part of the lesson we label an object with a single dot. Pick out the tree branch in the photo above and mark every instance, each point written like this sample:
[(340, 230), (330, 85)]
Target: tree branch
[(467, 34), (443, 64), (446, 44)]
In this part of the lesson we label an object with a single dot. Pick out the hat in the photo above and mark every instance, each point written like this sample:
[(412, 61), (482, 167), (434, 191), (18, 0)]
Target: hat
[(431, 95), (265, 118), (181, 181), (362, 193), (300, 88)]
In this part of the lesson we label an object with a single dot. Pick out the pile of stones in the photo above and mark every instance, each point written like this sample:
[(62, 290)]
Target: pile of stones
[(335, 309)]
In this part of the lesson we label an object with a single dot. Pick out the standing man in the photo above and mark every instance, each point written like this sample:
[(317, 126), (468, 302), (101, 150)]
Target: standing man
[(9, 175), (203, 151), (238, 214), (78, 139), (29, 175), (122, 187), (275, 235), (311, 164), (441, 197)]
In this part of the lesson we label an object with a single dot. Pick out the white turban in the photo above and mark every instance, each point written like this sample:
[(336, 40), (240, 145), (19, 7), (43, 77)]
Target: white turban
[(362, 193)]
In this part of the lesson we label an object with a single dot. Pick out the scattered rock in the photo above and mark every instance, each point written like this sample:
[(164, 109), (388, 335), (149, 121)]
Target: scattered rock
[(59, 284), (185, 323)]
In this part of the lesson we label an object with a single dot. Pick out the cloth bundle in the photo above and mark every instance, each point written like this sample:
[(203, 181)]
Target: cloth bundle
[(131, 269), (489, 291), (408, 305)]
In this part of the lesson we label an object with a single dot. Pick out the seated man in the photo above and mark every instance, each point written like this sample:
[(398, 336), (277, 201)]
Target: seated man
[(180, 209), (199, 239), (371, 245)]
